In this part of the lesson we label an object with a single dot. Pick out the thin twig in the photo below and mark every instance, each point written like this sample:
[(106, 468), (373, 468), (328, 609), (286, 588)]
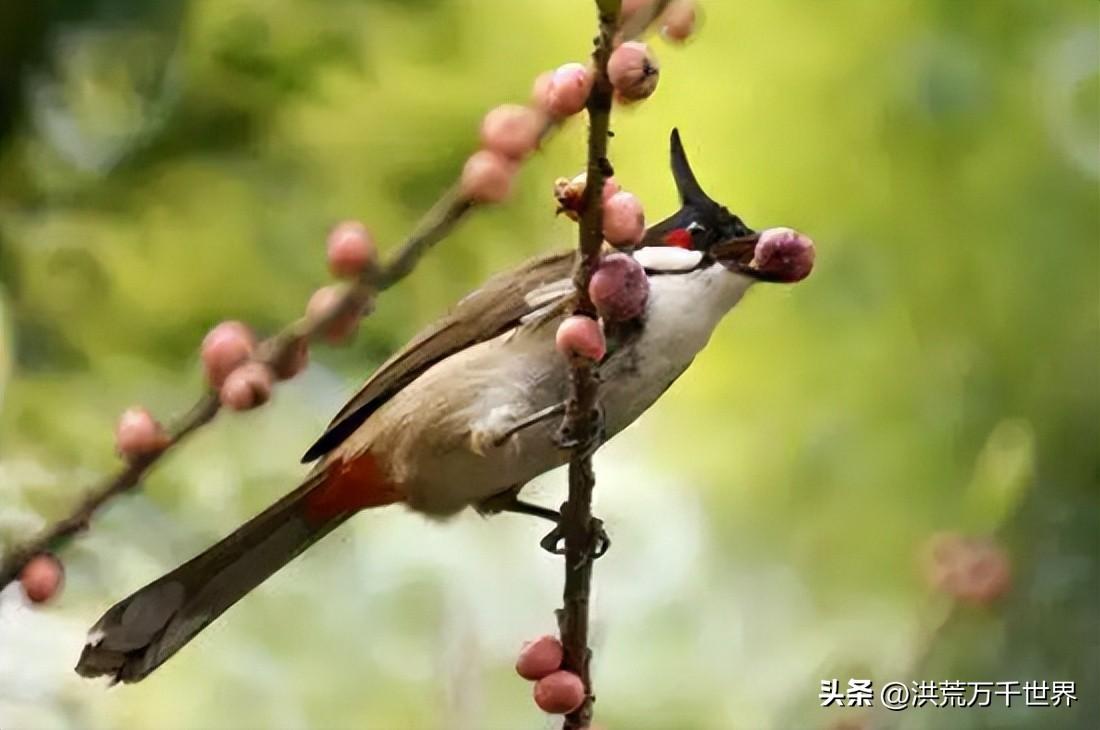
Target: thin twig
[(275, 350), (581, 425)]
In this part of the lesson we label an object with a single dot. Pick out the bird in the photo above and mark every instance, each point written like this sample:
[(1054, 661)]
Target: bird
[(463, 416)]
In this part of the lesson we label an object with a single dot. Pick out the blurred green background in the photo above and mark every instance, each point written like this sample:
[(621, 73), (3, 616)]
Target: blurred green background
[(167, 165)]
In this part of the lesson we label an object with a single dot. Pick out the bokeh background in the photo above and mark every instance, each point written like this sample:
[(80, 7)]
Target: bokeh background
[(167, 165)]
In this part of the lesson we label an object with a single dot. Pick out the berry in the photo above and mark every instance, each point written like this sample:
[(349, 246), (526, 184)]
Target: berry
[(678, 21), (633, 71), (619, 288), (42, 577), (784, 253), (350, 249), (539, 658), (540, 91), (323, 301), (224, 348), (559, 693), (139, 434), (247, 387), (623, 219), (581, 336), (487, 177), (511, 130), (569, 90)]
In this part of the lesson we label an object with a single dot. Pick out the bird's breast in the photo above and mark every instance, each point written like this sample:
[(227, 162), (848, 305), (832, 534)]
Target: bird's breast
[(448, 436)]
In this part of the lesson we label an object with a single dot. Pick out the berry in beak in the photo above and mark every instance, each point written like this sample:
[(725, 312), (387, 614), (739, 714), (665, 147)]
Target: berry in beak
[(781, 255)]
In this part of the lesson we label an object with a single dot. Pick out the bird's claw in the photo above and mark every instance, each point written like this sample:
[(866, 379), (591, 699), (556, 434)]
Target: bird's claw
[(554, 541), (550, 542), (567, 441)]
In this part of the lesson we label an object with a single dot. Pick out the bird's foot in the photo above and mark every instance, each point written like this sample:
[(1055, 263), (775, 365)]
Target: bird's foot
[(554, 541), (509, 501), (567, 441)]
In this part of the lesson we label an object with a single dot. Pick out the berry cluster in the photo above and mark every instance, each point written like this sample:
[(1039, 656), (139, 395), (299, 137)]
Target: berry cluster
[(556, 691)]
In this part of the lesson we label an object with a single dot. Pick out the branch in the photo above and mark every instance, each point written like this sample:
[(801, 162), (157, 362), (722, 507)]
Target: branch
[(581, 425), (277, 349)]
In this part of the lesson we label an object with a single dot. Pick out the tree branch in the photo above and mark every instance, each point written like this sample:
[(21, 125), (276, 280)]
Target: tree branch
[(581, 425), (277, 349)]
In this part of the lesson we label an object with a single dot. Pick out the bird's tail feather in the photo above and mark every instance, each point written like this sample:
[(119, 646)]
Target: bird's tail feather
[(140, 633)]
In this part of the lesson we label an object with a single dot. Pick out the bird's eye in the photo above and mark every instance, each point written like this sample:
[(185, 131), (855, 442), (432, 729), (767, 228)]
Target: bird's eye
[(698, 234)]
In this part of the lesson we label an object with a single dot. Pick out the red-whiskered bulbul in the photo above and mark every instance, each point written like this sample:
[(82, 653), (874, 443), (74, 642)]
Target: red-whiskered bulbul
[(462, 416)]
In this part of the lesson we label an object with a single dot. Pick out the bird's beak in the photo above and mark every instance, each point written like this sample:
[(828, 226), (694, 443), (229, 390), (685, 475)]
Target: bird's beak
[(736, 254)]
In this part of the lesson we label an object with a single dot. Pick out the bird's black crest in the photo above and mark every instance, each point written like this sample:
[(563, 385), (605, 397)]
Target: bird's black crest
[(700, 221)]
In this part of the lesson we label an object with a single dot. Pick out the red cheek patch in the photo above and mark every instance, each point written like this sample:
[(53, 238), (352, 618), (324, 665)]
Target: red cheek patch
[(349, 487), (679, 237)]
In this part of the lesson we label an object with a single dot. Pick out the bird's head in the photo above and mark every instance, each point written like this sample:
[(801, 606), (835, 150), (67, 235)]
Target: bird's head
[(701, 224)]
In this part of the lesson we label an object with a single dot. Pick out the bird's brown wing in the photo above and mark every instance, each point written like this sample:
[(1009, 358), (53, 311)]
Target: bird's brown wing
[(494, 308)]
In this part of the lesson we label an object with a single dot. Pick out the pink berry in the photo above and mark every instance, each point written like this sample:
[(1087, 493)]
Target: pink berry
[(633, 71), (559, 693), (619, 288), (41, 577), (623, 219), (569, 89), (678, 20), (325, 300), (139, 434), (540, 91), (511, 130), (350, 249), (784, 253), (247, 387), (581, 336), (539, 658), (487, 177), (224, 348), (610, 187)]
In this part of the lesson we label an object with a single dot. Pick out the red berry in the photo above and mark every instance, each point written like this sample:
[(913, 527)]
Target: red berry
[(511, 130), (487, 177), (569, 89), (539, 658), (350, 249), (633, 71), (138, 433), (623, 219), (581, 336), (224, 348), (42, 577), (247, 387), (559, 693), (323, 301), (619, 288), (785, 253)]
